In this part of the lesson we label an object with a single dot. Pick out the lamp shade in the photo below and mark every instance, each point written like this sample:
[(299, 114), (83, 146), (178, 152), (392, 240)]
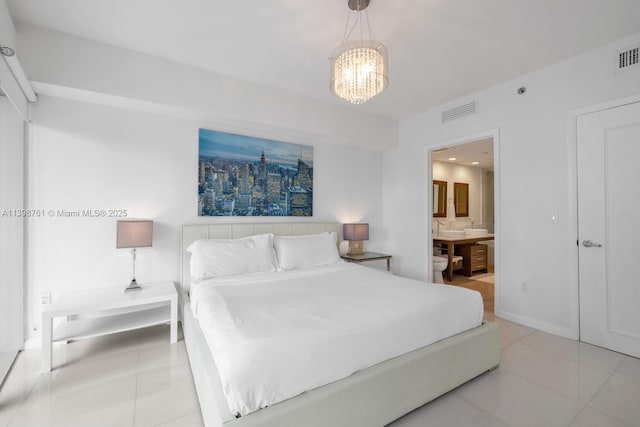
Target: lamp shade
[(355, 231), (135, 233)]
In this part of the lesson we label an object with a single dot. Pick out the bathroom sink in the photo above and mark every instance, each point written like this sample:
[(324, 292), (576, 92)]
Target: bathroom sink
[(452, 233), (476, 232)]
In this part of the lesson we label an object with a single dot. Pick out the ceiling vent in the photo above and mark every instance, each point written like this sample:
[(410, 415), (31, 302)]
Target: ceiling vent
[(628, 58), (459, 112)]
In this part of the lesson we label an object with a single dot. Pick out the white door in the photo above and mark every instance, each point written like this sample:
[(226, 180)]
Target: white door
[(609, 227)]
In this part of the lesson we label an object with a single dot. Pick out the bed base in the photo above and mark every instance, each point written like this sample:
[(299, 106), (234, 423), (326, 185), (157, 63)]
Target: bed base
[(371, 397)]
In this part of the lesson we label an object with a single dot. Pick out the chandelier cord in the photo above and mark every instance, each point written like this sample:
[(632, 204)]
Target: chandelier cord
[(369, 28), (346, 35), (360, 21), (357, 21)]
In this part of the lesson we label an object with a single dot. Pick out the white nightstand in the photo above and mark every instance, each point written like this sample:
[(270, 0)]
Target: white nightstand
[(112, 310)]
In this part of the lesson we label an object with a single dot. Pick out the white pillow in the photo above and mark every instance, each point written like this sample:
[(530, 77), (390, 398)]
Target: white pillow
[(226, 257), (306, 251)]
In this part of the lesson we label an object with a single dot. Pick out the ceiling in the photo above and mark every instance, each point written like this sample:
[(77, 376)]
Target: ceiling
[(439, 50), (466, 154)]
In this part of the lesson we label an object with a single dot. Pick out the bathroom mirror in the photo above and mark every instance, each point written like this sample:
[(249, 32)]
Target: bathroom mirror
[(439, 199), (461, 198)]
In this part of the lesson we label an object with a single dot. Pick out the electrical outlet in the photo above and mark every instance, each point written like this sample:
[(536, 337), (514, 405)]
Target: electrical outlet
[(524, 287), (45, 298)]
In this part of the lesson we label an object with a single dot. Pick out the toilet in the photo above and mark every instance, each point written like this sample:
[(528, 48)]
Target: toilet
[(440, 264)]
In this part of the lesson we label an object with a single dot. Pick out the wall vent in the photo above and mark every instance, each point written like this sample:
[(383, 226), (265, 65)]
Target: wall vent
[(628, 58), (459, 112)]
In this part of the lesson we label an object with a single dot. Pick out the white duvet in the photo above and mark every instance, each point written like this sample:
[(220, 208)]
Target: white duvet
[(276, 335)]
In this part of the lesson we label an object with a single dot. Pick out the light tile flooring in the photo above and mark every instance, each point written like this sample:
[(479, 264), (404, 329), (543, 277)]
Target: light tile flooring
[(138, 379), (129, 379)]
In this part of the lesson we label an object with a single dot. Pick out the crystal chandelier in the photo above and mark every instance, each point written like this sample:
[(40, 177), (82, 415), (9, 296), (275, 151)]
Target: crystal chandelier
[(359, 68)]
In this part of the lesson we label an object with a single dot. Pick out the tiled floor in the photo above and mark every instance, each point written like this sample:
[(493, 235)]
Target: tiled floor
[(129, 379), (138, 379)]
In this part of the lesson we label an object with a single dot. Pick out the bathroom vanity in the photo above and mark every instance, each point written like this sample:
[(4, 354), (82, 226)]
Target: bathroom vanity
[(474, 256)]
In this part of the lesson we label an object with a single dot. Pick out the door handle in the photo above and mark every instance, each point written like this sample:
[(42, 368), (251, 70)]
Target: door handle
[(590, 244)]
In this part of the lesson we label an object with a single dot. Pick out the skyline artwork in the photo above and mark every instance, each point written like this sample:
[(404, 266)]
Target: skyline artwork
[(241, 175)]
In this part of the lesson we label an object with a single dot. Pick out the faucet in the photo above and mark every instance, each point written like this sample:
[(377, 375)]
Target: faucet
[(438, 224), (472, 223)]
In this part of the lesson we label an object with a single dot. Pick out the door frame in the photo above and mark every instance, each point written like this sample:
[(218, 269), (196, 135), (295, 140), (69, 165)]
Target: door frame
[(428, 182), (572, 151)]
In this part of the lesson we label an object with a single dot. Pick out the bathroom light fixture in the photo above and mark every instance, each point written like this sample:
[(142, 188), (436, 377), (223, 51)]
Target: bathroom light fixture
[(359, 67), (475, 163), (453, 159)]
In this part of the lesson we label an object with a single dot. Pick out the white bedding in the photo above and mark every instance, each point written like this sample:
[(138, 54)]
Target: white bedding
[(276, 335)]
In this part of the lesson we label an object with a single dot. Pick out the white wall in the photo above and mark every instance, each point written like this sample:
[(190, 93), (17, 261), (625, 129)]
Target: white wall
[(11, 233), (13, 110), (87, 156), (488, 201), (63, 65), (451, 172), (534, 180), (8, 83), (7, 30)]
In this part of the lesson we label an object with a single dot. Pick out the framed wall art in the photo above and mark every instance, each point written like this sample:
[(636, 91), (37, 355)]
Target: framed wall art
[(241, 175)]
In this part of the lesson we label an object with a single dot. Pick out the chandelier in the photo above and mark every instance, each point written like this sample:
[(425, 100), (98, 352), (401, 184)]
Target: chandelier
[(359, 67)]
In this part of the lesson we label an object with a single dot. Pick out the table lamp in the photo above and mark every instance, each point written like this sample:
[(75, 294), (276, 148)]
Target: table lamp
[(355, 234), (134, 234)]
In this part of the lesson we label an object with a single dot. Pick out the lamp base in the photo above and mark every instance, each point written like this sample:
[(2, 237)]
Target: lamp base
[(133, 286), (355, 247)]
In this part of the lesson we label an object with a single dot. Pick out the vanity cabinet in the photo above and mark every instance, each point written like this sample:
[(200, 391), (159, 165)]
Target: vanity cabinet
[(474, 258)]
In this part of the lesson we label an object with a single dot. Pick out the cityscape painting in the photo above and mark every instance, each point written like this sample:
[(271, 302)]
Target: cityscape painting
[(241, 175)]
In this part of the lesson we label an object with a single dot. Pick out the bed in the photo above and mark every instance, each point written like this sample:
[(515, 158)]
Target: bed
[(373, 396)]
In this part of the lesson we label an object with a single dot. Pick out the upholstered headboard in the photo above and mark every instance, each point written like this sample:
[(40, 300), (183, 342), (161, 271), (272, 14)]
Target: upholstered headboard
[(191, 233)]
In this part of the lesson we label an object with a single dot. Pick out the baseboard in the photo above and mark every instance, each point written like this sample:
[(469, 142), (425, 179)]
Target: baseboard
[(538, 324)]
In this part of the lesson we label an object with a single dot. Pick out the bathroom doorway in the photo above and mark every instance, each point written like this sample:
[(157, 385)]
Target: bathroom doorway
[(463, 200)]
